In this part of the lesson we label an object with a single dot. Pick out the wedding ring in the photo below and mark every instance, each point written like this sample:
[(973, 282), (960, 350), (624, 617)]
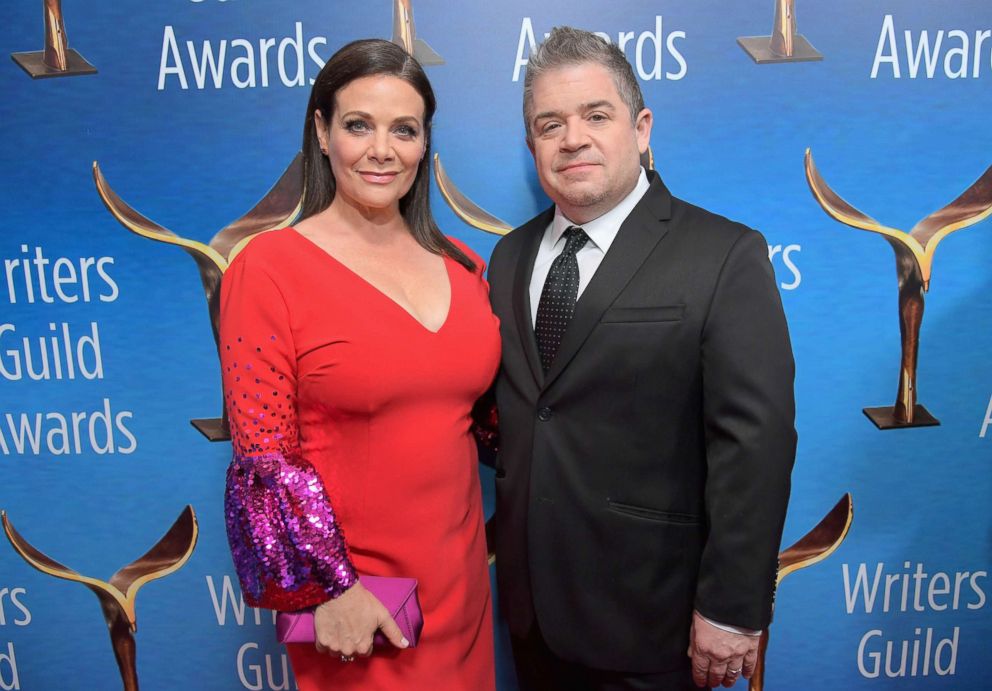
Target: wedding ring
[(734, 671), (347, 658)]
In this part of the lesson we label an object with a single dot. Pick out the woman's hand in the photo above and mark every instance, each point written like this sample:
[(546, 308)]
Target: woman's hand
[(346, 625)]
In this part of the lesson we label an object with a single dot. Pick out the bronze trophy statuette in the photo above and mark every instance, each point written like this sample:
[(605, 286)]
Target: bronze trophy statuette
[(812, 548), (914, 263), (279, 207), (467, 210), (117, 596), (784, 45), (57, 59), (405, 35)]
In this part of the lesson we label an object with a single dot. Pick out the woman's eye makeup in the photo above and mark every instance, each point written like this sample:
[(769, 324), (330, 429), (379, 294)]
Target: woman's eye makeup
[(356, 125), (361, 126)]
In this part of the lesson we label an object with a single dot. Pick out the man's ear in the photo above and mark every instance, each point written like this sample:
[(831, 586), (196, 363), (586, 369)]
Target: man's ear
[(642, 129)]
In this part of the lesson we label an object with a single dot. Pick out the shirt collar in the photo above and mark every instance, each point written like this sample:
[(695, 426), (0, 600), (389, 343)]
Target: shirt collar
[(602, 231)]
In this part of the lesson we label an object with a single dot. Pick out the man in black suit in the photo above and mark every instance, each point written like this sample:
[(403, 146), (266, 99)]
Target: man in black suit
[(645, 405)]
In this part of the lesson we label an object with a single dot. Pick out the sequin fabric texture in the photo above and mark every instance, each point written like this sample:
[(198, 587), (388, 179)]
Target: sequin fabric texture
[(288, 549), (282, 530), (485, 423)]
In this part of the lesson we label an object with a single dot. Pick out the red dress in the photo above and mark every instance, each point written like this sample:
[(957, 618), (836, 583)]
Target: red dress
[(329, 381)]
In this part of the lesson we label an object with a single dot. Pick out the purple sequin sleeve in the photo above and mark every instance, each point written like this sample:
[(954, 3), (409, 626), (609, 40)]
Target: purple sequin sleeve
[(288, 550), (282, 530)]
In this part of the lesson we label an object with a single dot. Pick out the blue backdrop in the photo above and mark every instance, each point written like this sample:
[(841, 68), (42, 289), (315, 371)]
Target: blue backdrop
[(196, 109)]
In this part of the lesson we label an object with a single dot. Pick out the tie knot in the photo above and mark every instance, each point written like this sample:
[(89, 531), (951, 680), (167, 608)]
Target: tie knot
[(575, 239)]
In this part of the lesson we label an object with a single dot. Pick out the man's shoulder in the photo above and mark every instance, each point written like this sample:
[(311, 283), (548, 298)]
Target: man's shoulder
[(514, 239), (538, 224), (713, 229), (711, 221)]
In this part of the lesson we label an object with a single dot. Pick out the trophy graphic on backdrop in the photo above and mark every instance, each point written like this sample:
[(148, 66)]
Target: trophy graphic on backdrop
[(784, 45), (812, 548), (465, 208), (473, 214), (117, 596), (405, 35), (914, 263), (277, 208), (57, 59)]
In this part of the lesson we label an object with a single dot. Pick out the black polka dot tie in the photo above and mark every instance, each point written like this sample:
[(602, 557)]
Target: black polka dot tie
[(561, 289)]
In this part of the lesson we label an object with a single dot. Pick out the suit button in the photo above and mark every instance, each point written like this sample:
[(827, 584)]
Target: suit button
[(544, 414)]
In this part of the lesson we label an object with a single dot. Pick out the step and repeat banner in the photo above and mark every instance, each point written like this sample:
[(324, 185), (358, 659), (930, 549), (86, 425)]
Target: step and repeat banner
[(855, 134)]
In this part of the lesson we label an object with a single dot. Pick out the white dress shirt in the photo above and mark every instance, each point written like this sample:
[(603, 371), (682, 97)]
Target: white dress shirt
[(602, 232)]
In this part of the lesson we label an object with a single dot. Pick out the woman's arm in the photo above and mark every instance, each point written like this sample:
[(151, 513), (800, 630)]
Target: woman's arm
[(288, 549)]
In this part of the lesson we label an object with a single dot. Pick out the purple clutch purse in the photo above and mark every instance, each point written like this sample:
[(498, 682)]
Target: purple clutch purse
[(398, 595)]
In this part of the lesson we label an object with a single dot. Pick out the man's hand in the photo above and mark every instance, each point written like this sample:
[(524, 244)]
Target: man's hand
[(719, 656)]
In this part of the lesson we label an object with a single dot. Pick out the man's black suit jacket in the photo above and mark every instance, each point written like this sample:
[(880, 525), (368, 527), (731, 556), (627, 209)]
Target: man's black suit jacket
[(647, 473)]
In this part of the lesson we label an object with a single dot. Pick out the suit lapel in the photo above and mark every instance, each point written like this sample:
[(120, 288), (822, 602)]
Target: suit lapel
[(532, 231), (637, 237)]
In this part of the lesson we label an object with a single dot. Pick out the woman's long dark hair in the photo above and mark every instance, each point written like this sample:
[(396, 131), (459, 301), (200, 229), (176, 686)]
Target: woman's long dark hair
[(367, 58)]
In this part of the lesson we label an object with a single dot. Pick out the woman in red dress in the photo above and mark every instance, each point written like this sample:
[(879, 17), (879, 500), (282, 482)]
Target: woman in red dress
[(353, 348)]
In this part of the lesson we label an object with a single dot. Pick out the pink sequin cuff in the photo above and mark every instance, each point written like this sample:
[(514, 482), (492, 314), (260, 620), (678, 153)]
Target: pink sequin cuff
[(288, 549)]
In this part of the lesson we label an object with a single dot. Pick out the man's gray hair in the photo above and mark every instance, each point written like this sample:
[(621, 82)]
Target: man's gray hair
[(567, 46)]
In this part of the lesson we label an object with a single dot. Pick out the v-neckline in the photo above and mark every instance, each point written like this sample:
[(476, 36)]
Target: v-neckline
[(379, 291)]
